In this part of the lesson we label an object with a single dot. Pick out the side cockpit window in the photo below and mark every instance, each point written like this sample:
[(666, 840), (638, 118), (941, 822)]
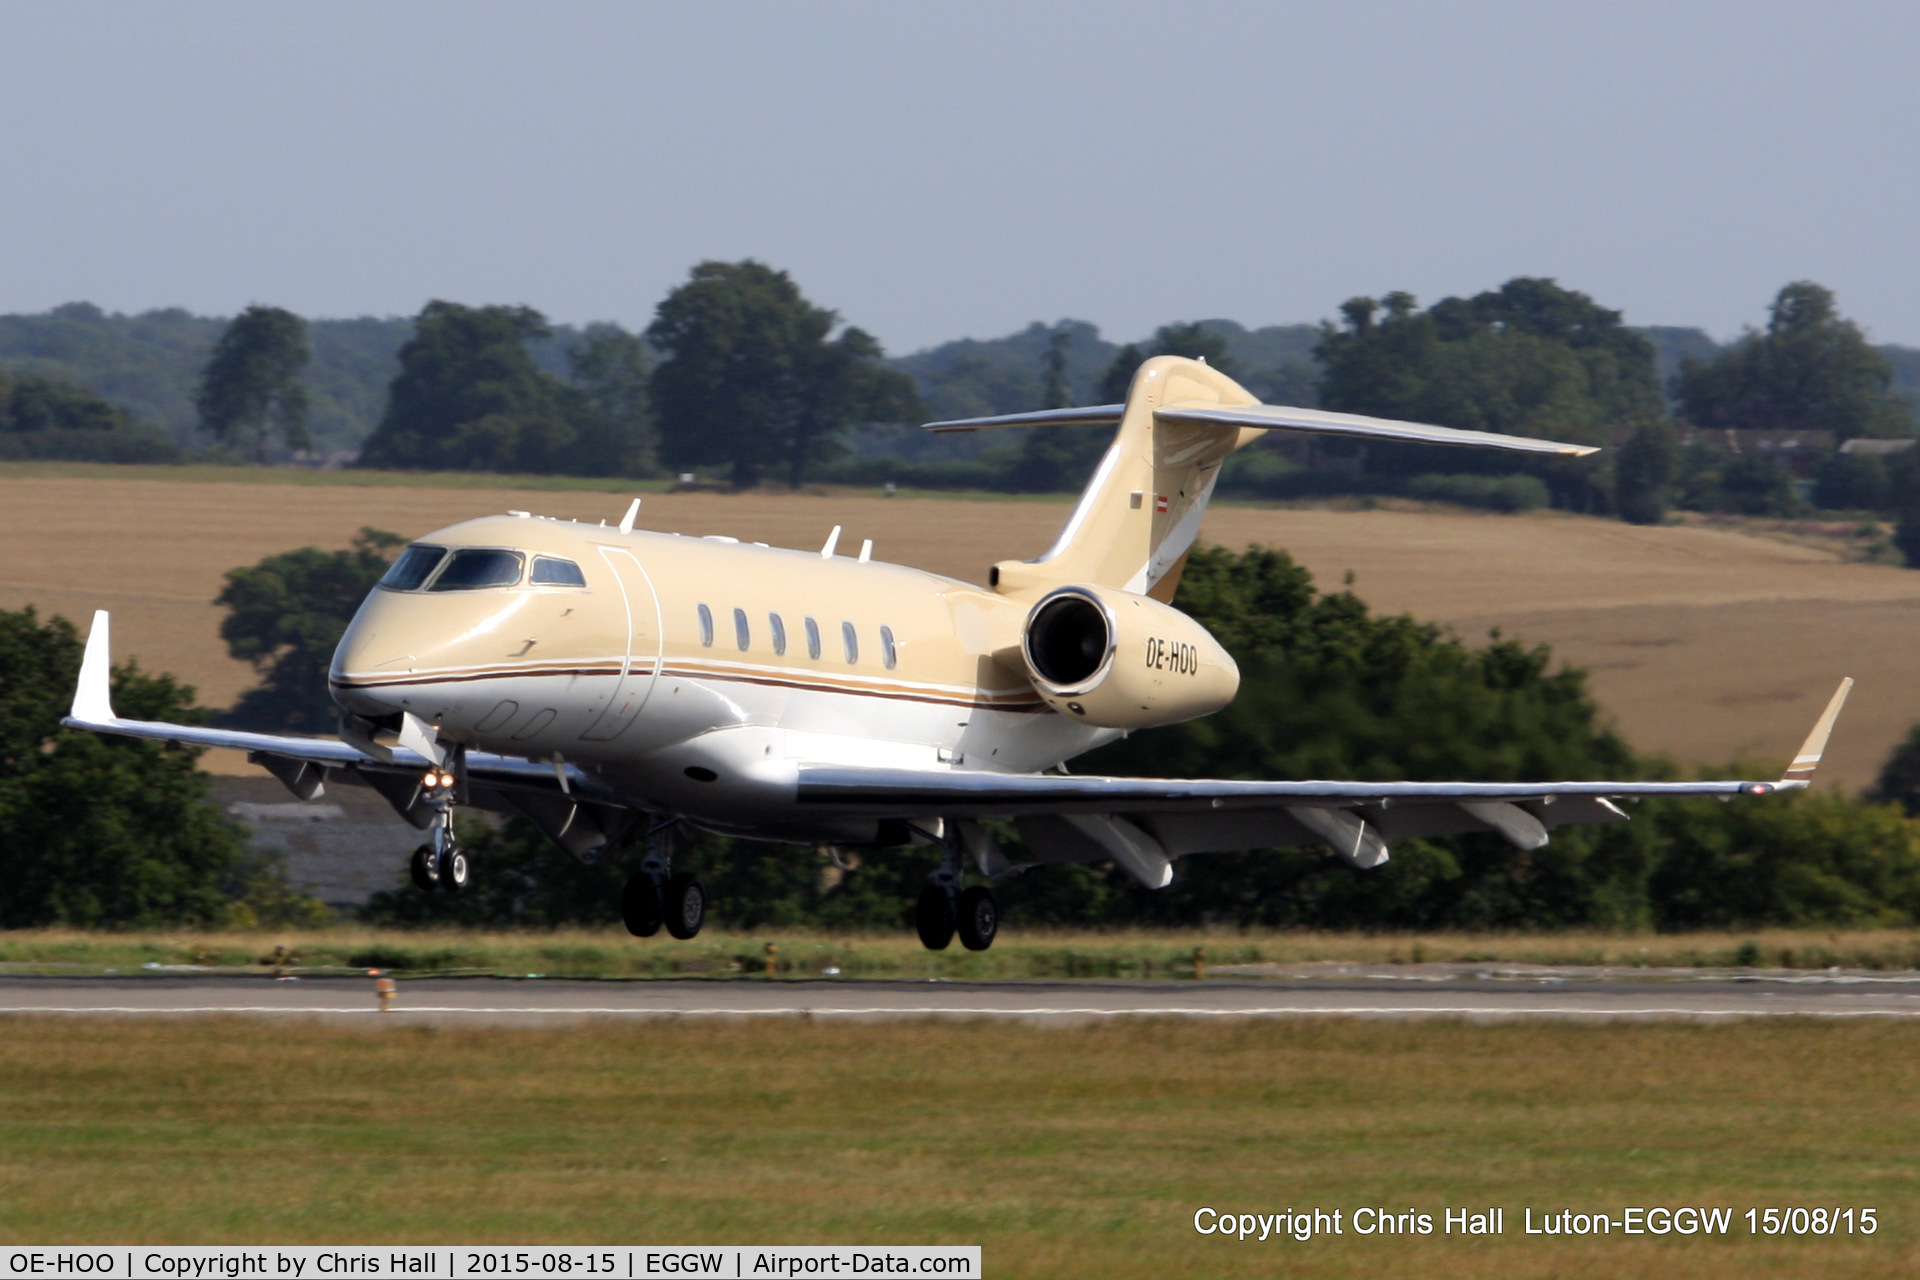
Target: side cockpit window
[(475, 568), (551, 571), (412, 568)]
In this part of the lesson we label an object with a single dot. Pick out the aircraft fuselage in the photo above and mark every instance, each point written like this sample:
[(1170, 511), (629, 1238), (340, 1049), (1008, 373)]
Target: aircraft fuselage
[(693, 674)]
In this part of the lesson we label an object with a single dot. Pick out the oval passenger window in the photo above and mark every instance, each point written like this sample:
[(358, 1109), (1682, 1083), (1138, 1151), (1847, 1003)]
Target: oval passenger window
[(706, 626)]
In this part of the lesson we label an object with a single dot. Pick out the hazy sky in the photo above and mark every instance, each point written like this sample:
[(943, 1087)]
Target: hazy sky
[(941, 171)]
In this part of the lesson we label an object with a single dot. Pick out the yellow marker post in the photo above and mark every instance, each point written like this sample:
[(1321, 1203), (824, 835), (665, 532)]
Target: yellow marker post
[(1199, 962), (770, 952), (384, 988)]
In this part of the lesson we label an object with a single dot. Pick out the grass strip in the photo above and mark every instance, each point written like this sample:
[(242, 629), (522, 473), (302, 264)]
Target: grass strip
[(1137, 955), (1064, 1152)]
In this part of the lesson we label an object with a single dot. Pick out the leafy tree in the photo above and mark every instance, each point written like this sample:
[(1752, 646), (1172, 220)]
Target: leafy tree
[(1899, 781), (469, 397), (1054, 393), (251, 386), (1851, 482), (612, 367), (1644, 473), (285, 615), (1528, 359), (1118, 379), (1810, 370), (1793, 860), (1195, 342), (1053, 458), (753, 379), (1757, 485), (48, 417), (36, 402), (98, 830)]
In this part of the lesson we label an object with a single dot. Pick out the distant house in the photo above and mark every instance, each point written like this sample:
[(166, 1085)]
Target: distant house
[(1877, 448), (1798, 451)]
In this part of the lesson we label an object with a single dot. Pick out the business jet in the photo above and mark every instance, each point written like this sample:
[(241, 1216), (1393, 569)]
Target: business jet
[(612, 685)]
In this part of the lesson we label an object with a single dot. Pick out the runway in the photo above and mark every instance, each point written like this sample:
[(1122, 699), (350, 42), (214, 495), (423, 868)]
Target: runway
[(1487, 996)]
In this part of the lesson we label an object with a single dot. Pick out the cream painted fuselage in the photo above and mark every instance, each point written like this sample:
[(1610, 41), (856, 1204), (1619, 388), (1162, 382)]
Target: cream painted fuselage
[(694, 675)]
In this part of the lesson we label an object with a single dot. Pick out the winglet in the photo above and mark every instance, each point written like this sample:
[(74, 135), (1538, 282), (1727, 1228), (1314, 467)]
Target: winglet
[(1800, 772), (92, 697)]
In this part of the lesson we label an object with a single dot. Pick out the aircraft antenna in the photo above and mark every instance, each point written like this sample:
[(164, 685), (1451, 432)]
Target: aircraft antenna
[(626, 521), (833, 540), (866, 551)]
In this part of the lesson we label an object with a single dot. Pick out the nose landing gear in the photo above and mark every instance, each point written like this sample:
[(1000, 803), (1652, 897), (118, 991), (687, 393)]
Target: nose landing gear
[(441, 863)]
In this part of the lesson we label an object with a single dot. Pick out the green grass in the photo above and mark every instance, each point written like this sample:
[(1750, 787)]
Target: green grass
[(1064, 1152), (1137, 954)]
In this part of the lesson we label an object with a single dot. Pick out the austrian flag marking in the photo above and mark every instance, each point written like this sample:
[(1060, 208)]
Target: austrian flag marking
[(1160, 503)]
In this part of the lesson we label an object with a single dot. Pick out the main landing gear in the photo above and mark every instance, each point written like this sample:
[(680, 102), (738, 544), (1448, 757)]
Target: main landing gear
[(442, 863), (655, 895), (945, 909)]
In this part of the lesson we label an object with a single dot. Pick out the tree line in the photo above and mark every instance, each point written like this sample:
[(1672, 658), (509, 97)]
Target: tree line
[(740, 376)]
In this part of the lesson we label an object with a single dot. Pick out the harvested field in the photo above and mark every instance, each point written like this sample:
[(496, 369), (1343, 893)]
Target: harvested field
[(1704, 644)]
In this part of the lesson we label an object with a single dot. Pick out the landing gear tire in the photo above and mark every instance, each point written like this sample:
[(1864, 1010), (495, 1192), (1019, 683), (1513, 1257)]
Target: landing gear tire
[(686, 905), (979, 918), (454, 869), (934, 918), (425, 877), (641, 906)]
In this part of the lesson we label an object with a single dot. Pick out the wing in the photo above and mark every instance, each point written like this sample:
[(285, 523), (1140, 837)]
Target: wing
[(1143, 823), (570, 805)]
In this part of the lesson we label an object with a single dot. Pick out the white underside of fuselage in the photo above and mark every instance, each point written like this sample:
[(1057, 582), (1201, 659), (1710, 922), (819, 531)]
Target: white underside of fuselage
[(721, 744)]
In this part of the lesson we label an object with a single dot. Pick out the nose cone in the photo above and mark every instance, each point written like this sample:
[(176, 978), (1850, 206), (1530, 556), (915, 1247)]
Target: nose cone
[(374, 660)]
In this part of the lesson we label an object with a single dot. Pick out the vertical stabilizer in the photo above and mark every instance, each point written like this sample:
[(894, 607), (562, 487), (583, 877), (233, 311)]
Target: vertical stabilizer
[(1141, 512)]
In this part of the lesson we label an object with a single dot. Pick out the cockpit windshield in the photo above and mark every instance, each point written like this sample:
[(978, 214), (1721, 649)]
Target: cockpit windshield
[(472, 569), (412, 568)]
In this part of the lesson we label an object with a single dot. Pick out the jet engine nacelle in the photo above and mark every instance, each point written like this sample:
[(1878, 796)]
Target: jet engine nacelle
[(1124, 661)]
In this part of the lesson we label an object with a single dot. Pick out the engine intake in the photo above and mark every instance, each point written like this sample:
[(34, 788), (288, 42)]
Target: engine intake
[(1124, 661)]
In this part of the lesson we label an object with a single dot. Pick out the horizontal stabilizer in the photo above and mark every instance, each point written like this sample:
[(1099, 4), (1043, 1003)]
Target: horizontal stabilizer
[(1275, 417), (1098, 415)]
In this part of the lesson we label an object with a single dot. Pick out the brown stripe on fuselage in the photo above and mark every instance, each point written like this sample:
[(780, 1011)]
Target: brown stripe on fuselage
[(1007, 700)]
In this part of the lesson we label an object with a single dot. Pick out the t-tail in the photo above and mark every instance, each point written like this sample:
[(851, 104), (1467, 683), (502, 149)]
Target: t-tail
[(1140, 514)]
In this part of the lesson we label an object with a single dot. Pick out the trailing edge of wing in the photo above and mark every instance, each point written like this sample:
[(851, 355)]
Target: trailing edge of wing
[(971, 793), (1098, 415), (1274, 417)]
